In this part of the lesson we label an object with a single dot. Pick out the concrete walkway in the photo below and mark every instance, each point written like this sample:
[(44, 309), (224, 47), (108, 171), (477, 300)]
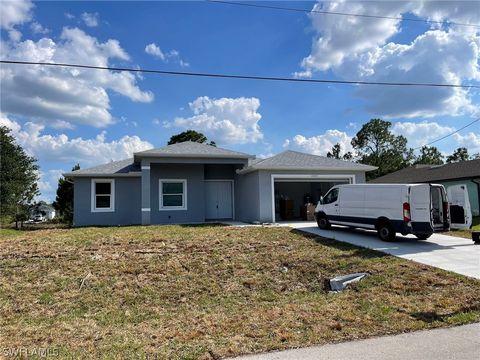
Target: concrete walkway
[(445, 252), (459, 343)]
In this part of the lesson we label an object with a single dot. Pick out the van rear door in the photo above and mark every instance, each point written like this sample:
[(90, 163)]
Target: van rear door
[(460, 210), (420, 208)]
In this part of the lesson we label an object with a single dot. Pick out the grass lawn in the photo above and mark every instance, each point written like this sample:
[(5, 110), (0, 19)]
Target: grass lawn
[(209, 291), (467, 233)]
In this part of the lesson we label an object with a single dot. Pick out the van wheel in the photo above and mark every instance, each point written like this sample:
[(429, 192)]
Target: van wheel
[(323, 222), (422, 236), (386, 232)]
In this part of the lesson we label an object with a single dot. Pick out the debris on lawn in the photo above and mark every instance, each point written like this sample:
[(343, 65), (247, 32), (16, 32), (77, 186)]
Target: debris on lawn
[(82, 284), (339, 283)]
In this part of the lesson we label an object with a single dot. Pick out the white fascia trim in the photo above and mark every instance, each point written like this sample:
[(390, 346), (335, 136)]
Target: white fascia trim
[(93, 195), (145, 167)]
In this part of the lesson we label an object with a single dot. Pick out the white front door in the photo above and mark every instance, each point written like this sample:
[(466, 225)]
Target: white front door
[(218, 200)]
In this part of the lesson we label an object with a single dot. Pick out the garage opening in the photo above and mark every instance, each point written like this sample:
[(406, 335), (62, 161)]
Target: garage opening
[(296, 199)]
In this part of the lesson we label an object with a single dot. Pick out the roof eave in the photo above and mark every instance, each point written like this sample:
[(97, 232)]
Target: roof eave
[(300, 168), (197, 156), (130, 174)]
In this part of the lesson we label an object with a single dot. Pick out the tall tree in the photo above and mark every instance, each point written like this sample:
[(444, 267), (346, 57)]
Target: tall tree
[(429, 155), (18, 178), (336, 151), (190, 135), (64, 200), (461, 154), (377, 146)]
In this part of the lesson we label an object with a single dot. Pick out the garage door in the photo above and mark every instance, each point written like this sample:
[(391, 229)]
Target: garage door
[(292, 194), (218, 201)]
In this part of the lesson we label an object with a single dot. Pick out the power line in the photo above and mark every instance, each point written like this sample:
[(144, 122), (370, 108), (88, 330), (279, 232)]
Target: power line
[(234, 76), (446, 136), (274, 7)]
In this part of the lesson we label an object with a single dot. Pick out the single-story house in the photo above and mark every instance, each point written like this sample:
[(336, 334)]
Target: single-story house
[(44, 209), (191, 182), (463, 172)]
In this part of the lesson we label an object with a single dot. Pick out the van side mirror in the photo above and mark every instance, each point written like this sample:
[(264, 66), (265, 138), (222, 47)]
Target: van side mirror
[(321, 200)]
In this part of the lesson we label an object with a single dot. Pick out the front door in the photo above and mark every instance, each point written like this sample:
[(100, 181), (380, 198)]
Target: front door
[(218, 200)]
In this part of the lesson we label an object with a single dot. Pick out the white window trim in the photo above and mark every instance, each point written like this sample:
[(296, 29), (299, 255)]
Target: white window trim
[(160, 192), (112, 195)]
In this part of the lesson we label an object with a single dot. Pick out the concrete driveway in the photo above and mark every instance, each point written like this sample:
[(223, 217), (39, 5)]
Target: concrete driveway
[(445, 252), (459, 343)]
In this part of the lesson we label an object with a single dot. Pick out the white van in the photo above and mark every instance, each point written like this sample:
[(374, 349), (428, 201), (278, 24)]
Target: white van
[(419, 209)]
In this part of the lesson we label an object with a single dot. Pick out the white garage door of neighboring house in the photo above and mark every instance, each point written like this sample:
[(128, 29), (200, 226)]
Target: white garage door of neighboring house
[(218, 199)]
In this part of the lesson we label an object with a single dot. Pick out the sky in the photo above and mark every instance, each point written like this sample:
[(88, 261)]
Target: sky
[(64, 116)]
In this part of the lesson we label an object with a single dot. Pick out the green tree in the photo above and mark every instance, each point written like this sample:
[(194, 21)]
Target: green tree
[(429, 155), (377, 146), (190, 135), (461, 154), (18, 178), (64, 200), (336, 151)]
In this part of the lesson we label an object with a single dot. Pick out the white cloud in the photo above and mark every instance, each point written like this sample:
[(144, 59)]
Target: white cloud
[(419, 134), (90, 19), (38, 28), (224, 120), (443, 54), (53, 95), (320, 144), (15, 35), (69, 16), (172, 55), (61, 148), (470, 140), (338, 37), (15, 12), (154, 50), (48, 183)]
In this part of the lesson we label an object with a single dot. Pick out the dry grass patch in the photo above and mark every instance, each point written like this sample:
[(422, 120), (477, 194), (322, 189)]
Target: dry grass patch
[(209, 291)]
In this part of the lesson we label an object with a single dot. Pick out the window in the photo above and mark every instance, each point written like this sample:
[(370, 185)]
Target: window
[(331, 197), (103, 195), (173, 194)]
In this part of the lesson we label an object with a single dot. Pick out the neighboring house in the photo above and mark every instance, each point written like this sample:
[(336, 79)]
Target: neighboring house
[(463, 172), (44, 209), (192, 183)]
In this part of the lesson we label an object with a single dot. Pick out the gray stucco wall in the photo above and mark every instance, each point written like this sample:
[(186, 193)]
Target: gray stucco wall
[(220, 172), (194, 174), (247, 205), (252, 195), (127, 203)]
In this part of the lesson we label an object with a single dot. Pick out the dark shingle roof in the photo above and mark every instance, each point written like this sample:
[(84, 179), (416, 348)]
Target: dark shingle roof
[(123, 167), (192, 149), (294, 160), (431, 173)]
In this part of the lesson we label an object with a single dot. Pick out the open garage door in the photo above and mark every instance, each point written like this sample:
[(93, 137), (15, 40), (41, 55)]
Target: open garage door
[(296, 198)]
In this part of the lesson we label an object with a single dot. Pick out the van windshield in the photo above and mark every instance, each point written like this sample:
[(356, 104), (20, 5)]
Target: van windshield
[(331, 197)]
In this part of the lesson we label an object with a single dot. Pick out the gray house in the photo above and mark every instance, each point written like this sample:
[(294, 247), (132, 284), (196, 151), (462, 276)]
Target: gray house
[(193, 183)]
